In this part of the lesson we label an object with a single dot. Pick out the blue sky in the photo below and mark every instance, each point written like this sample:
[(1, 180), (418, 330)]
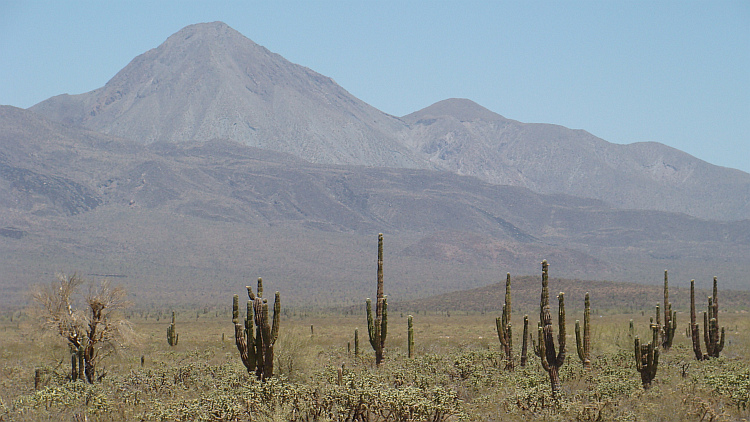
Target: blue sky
[(671, 72)]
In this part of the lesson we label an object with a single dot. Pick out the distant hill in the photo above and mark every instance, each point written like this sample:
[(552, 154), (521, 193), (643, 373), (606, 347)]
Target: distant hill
[(460, 136), (207, 82), (605, 296)]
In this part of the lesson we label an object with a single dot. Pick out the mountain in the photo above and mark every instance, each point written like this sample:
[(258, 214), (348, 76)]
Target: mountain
[(462, 137), (208, 81), (189, 222)]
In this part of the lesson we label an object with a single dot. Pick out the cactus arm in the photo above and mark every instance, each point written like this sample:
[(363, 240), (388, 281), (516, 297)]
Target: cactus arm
[(235, 309), (694, 327), (707, 330), (560, 359), (370, 323), (638, 356), (542, 349), (384, 321), (579, 341), (247, 351)]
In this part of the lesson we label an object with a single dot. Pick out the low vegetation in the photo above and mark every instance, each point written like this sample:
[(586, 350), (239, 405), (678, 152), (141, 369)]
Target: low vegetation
[(457, 373), (436, 366)]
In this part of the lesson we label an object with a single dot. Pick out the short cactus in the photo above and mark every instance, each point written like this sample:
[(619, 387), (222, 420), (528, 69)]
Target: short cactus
[(583, 345), (647, 357), (172, 336), (410, 337), (525, 341), (504, 327)]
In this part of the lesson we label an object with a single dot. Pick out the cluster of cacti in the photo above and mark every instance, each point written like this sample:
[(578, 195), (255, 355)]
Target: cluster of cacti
[(504, 327), (711, 334), (647, 357), (670, 318), (172, 336), (255, 338), (410, 337), (583, 345), (551, 360), (377, 327)]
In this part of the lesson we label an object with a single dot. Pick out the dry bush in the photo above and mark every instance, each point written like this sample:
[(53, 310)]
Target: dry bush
[(93, 325)]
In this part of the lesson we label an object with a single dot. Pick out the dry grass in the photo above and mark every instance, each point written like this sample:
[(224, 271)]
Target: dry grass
[(463, 349)]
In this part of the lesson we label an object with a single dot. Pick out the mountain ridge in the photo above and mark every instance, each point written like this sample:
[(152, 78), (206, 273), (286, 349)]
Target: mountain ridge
[(202, 215), (207, 81)]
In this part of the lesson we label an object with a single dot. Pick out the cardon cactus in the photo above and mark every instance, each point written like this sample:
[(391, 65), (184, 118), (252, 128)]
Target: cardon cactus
[(256, 351), (525, 341), (647, 357), (172, 336), (356, 342), (670, 318), (410, 336), (551, 360), (377, 327), (583, 345), (712, 336), (504, 327)]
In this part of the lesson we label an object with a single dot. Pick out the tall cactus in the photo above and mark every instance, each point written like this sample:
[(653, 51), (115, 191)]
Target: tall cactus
[(712, 336), (670, 318), (172, 336), (377, 327), (583, 345), (504, 328), (410, 337), (551, 360), (647, 357), (256, 351)]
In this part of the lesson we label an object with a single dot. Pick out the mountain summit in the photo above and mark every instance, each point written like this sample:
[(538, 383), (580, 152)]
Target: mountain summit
[(209, 81)]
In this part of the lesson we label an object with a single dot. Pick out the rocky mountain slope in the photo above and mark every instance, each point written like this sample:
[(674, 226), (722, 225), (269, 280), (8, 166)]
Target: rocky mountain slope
[(176, 217), (207, 81), (463, 137)]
